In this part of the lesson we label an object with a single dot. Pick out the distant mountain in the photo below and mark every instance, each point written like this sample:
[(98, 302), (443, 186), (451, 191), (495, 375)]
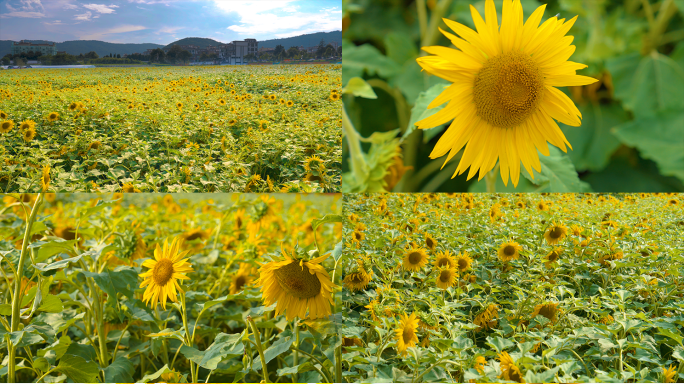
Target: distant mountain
[(309, 40), (77, 47), (196, 41)]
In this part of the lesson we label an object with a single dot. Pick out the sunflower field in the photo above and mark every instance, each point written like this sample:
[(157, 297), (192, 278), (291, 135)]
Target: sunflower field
[(170, 288), (172, 129), (513, 288), (513, 95)]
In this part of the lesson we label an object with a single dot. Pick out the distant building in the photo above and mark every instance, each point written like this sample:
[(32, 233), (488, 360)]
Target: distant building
[(24, 46), (235, 52)]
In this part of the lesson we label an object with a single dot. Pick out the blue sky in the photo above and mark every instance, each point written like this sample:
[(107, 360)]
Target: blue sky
[(165, 21)]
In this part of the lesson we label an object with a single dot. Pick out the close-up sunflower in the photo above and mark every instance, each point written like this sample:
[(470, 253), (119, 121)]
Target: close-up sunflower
[(509, 251), (463, 261), (168, 268), (406, 333), (29, 134), (509, 371), (414, 259), (549, 95), (299, 288)]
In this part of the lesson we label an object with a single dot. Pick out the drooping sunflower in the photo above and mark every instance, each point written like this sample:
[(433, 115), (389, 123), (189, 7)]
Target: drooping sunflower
[(548, 310), (509, 251), (503, 99), (446, 278), (415, 259), (487, 318), (555, 233), (358, 279), (509, 371), (165, 271), (463, 261), (430, 242), (480, 363), (444, 259), (406, 333), (6, 126), (297, 285)]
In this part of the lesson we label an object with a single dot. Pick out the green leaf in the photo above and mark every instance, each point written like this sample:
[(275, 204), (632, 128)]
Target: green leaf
[(329, 218), (671, 335), (6, 309), (56, 265), (120, 371), (51, 304), (499, 343), (593, 142), (400, 47), (647, 85), (420, 111), (224, 345), (208, 304), (41, 364), (296, 369), (122, 279), (557, 170), (279, 347), (659, 138), (359, 88), (78, 369), (156, 375), (167, 333), (87, 352), (365, 58)]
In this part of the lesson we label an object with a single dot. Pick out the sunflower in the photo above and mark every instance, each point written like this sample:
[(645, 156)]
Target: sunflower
[(53, 116), (415, 259), (289, 103), (359, 279), (45, 178), (542, 206), (27, 124), (222, 102), (480, 363), (297, 285), (195, 234), (29, 134), (430, 242), (244, 276), (166, 269), (3, 115), (334, 96), (73, 106), (503, 99), (487, 318), (509, 371), (463, 261), (406, 333), (446, 278), (555, 233), (576, 230), (6, 126), (548, 310), (509, 251), (553, 256), (670, 374), (358, 236), (444, 259), (179, 105), (130, 188)]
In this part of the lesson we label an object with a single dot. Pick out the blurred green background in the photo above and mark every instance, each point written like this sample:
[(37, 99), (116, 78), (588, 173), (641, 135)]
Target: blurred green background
[(632, 133)]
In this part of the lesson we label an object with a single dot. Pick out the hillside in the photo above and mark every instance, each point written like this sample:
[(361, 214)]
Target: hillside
[(306, 40), (196, 41), (76, 47)]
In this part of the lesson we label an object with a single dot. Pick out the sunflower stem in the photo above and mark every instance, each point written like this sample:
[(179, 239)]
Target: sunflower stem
[(295, 353), (194, 370), (257, 339), (490, 180), (16, 298), (422, 18), (358, 162)]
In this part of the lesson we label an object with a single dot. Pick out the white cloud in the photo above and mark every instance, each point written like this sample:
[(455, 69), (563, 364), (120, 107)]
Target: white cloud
[(33, 15), (281, 18), (101, 8), (168, 30), (111, 31), (28, 9), (30, 5), (83, 16)]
